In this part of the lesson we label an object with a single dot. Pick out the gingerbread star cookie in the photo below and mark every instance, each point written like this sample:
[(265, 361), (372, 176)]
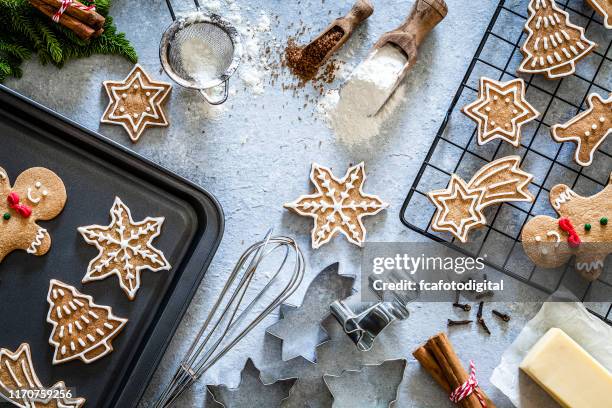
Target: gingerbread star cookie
[(459, 207), (583, 229), (588, 129), (500, 110), (337, 205), (37, 195), (125, 248), (81, 328), (604, 8), (135, 103), (553, 44), (17, 374)]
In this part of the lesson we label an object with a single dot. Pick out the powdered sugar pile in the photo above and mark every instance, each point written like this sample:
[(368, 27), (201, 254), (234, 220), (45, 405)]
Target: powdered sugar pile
[(369, 85)]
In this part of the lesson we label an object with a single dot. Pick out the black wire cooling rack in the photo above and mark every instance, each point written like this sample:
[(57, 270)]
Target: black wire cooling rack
[(455, 150)]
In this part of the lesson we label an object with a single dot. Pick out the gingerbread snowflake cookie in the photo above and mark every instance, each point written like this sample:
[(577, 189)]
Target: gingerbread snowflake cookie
[(81, 329), (37, 195), (553, 44), (459, 207), (583, 230), (500, 110), (588, 130), (135, 103), (17, 374), (337, 205), (125, 248), (604, 8)]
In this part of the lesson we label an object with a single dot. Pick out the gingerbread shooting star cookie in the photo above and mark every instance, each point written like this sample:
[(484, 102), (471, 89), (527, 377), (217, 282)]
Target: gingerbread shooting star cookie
[(37, 195), (553, 44), (125, 248), (135, 103), (337, 205), (582, 229), (459, 207), (500, 110), (81, 328), (604, 8), (588, 129), (17, 374)]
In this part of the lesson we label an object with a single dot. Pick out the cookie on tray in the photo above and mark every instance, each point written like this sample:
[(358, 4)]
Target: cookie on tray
[(37, 195)]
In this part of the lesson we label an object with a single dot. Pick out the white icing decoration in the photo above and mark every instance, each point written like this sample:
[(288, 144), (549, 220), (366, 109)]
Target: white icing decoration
[(40, 235), (589, 266), (24, 356), (563, 197), (34, 200)]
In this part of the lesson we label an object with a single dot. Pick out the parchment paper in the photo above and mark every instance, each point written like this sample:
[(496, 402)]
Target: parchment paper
[(573, 318)]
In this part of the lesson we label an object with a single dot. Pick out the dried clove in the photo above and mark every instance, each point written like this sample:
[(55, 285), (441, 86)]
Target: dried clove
[(480, 319), (458, 322), (466, 307), (504, 316)]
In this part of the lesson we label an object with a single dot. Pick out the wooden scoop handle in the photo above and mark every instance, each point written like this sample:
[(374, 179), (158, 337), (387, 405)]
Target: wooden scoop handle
[(424, 16), (361, 10)]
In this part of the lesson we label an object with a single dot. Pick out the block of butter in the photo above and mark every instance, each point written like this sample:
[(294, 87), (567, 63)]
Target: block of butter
[(567, 372)]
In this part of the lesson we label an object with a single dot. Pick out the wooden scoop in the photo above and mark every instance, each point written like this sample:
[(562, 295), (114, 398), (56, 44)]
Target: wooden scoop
[(424, 16), (361, 10)]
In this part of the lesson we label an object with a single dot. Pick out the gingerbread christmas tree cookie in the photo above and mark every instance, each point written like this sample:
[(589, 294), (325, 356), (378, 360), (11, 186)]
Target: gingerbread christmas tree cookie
[(17, 375), (81, 329), (136, 102), (337, 205), (588, 130), (125, 248), (37, 195), (459, 207), (500, 110), (603, 7), (583, 230), (553, 44)]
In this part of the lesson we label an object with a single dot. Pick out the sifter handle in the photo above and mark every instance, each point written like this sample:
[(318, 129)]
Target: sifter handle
[(219, 101)]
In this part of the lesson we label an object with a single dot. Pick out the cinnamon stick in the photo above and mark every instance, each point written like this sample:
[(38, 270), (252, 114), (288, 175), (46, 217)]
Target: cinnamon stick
[(439, 359), (89, 17), (82, 30)]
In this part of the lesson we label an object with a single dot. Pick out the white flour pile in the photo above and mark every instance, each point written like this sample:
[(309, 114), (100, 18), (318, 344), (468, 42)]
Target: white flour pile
[(346, 111), (200, 60)]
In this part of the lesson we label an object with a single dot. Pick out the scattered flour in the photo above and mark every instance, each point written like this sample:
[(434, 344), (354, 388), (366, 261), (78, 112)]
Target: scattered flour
[(368, 86)]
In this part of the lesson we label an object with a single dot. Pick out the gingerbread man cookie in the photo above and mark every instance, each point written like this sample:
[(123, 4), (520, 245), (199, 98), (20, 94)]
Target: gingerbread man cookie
[(588, 129), (459, 207), (337, 205), (81, 328), (125, 248), (500, 110), (38, 194), (603, 7), (553, 44), (582, 230), (135, 103)]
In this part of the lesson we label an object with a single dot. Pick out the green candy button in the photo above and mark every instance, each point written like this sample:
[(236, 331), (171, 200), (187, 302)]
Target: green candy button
[(587, 227), (603, 221), (6, 216)]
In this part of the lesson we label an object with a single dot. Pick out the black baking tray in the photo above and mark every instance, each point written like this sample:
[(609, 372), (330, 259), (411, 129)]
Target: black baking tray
[(95, 170)]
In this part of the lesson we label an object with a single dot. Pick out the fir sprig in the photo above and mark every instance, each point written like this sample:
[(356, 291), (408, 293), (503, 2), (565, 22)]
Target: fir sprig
[(24, 31)]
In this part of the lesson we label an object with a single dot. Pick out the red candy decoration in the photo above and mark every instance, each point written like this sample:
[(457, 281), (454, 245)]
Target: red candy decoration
[(573, 239), (21, 209)]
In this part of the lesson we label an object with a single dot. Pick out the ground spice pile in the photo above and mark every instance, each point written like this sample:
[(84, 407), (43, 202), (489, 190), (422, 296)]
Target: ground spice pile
[(304, 62)]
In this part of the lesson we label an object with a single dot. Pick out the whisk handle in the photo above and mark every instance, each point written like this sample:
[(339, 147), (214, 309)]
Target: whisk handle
[(220, 100)]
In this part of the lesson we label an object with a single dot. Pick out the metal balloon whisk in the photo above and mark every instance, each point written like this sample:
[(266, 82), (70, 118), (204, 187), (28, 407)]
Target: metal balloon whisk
[(228, 322)]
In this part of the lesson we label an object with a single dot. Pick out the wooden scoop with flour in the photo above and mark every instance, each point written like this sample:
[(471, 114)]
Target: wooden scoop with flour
[(423, 17)]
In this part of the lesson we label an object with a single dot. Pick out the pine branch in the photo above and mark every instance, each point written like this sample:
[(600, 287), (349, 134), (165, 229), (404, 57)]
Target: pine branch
[(25, 31)]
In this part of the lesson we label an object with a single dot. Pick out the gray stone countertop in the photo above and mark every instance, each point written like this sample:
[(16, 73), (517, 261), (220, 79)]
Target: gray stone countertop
[(255, 153)]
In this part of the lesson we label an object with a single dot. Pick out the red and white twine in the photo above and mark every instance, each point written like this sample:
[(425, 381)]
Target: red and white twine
[(468, 387), (70, 3)]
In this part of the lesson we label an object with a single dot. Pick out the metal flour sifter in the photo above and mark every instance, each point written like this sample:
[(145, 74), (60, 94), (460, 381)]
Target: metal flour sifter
[(201, 51)]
